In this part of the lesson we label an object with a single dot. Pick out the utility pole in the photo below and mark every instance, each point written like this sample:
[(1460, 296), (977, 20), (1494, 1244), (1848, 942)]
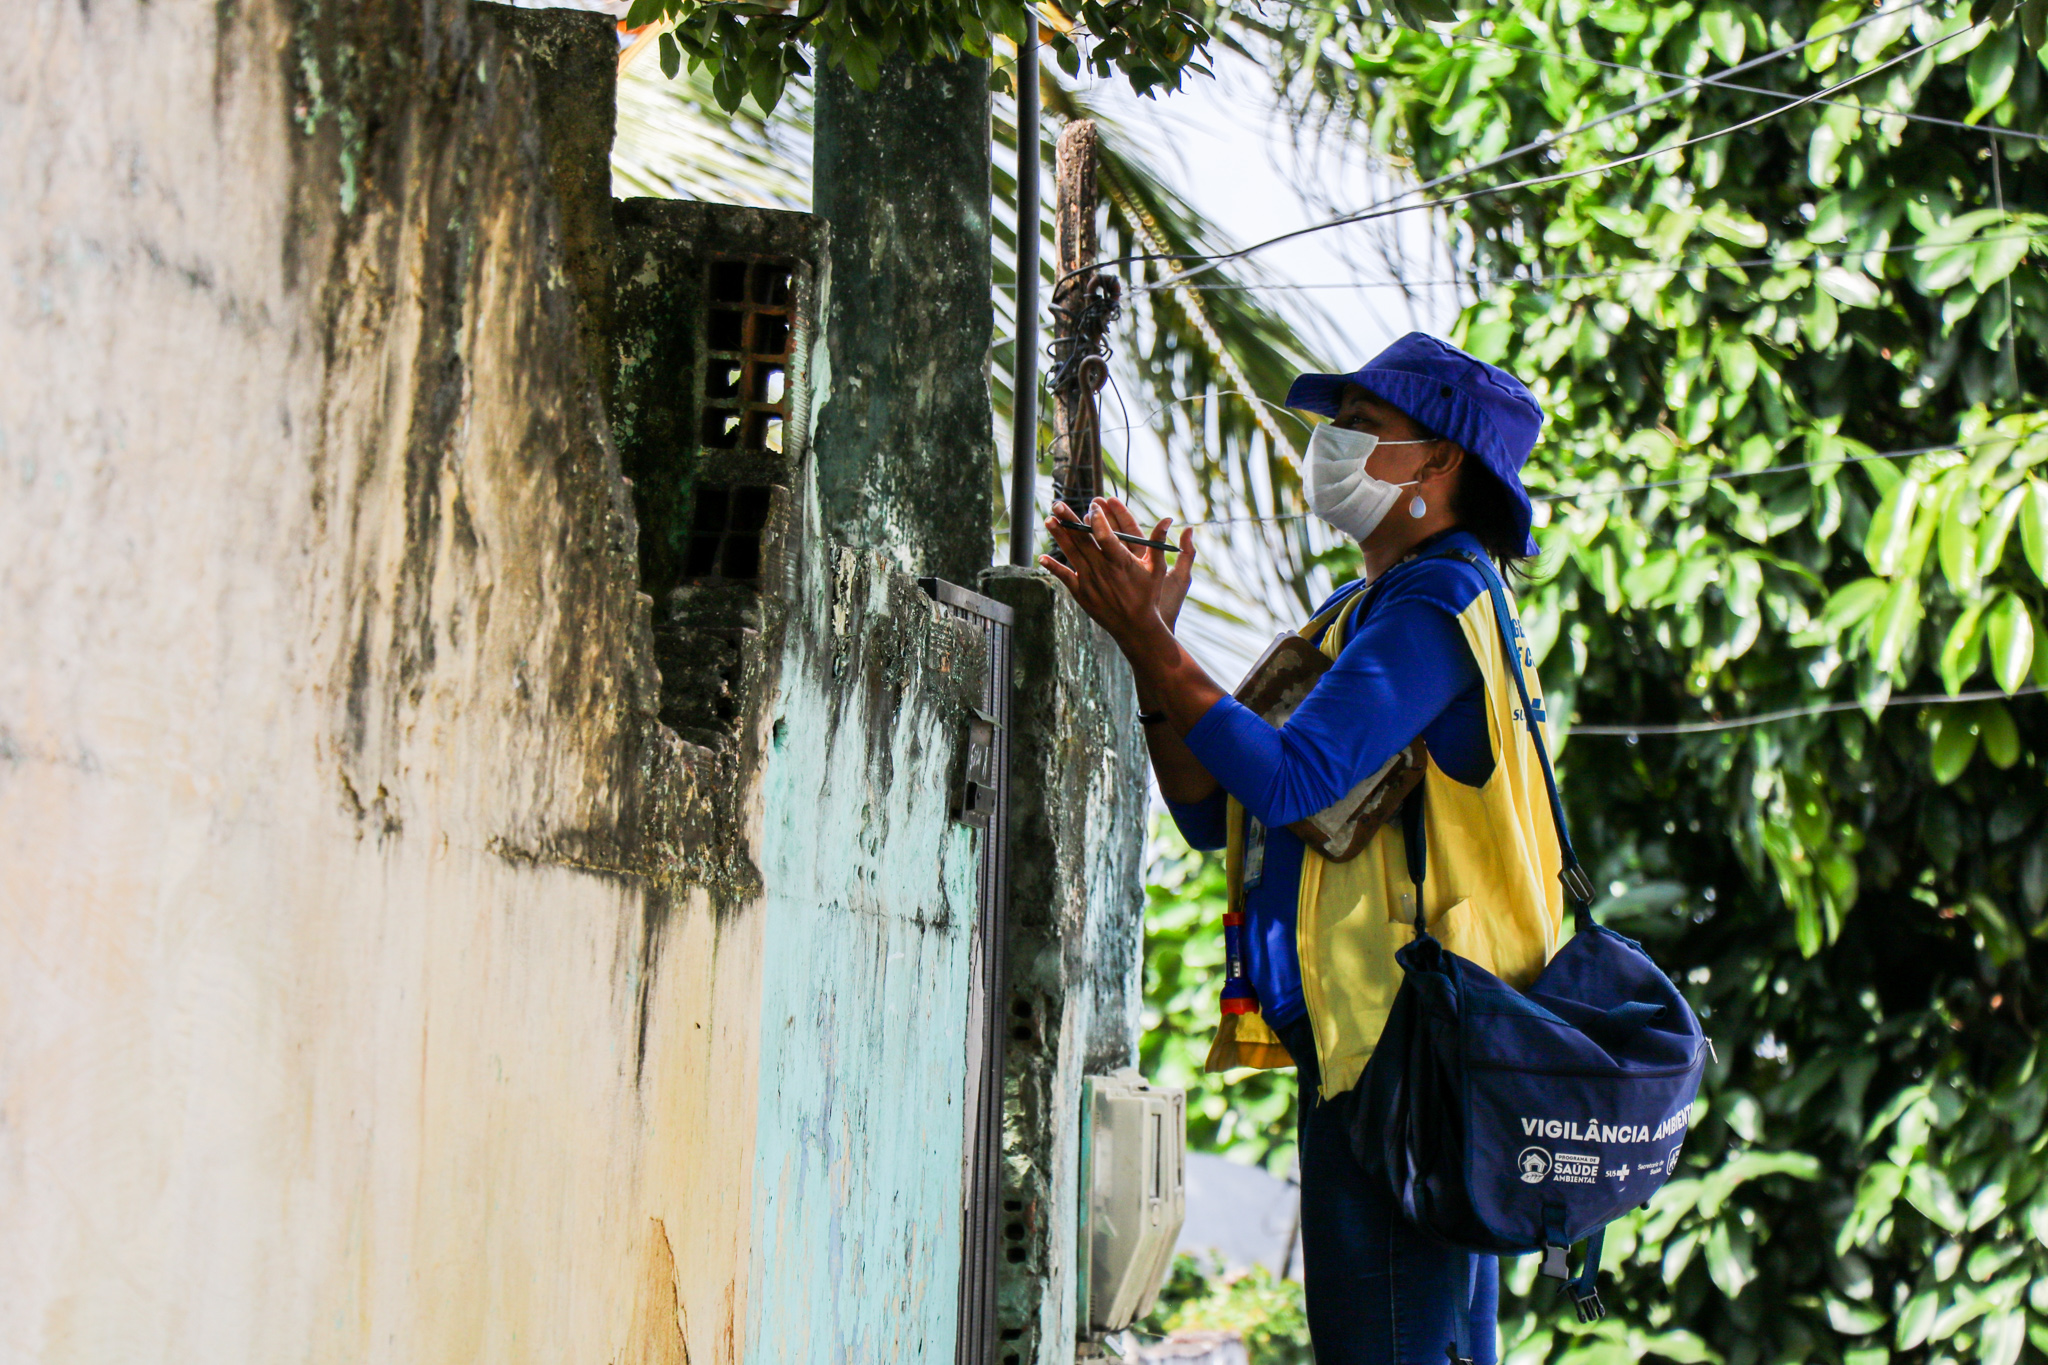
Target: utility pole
[(1024, 368), (1084, 304)]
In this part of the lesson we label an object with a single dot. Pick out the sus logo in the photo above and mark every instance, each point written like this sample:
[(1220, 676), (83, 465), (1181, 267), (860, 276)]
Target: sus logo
[(1534, 1164)]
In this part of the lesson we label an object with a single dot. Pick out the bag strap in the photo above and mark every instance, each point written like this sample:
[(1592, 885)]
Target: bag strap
[(1417, 847), (1576, 883)]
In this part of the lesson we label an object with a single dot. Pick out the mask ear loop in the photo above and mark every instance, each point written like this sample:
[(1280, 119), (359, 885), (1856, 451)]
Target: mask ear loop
[(1417, 508)]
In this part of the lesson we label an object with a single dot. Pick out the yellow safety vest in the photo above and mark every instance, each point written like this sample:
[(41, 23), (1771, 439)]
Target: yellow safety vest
[(1491, 893)]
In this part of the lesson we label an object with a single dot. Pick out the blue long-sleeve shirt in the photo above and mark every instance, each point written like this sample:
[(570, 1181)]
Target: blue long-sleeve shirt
[(1405, 671)]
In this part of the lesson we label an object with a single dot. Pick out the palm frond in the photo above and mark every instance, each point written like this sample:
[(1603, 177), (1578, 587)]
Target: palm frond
[(674, 142)]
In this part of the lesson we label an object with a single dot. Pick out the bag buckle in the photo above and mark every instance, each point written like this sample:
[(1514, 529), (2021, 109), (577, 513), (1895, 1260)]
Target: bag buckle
[(1556, 1246), (1577, 883), (1587, 1301), (1451, 1353)]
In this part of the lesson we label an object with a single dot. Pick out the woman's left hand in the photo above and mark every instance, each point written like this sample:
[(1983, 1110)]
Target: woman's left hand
[(1119, 590)]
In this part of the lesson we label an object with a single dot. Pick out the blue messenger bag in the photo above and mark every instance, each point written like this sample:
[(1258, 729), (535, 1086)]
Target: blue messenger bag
[(1508, 1122)]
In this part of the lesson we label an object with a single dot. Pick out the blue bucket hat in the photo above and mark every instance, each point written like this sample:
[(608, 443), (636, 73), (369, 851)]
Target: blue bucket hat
[(1484, 409)]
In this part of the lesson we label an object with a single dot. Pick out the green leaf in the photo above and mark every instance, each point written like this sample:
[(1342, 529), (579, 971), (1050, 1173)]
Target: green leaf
[(1891, 529), (1738, 361), (1990, 72), (1942, 270), (1735, 227), (2001, 738), (1648, 580), (1954, 743), (1852, 604), (1996, 259), (2002, 1336), (1964, 650), (1993, 530), (1957, 539), (764, 82), (1721, 26), (1916, 1319), (2033, 518), (1876, 1192), (1891, 629), (2009, 630), (1852, 287), (1728, 1259), (1853, 1320), (1928, 1190)]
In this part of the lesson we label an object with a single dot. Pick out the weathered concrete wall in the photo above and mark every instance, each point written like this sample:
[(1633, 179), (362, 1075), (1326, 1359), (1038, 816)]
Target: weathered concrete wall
[(1075, 937), (870, 916), (906, 460), (331, 805), (384, 980)]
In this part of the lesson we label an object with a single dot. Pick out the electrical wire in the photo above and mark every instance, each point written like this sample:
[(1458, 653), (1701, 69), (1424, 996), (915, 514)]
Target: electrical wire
[(1124, 408), (1676, 268), (1720, 83), (1711, 476), (1391, 206), (1707, 727), (1284, 411), (1537, 182)]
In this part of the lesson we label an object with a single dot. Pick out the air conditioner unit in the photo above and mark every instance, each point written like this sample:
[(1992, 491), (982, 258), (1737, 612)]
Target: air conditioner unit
[(1133, 1144)]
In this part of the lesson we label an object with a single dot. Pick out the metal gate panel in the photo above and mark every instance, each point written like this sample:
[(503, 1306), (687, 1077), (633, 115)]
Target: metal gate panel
[(984, 802)]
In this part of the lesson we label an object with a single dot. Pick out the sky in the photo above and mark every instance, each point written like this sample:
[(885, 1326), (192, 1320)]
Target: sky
[(1233, 157)]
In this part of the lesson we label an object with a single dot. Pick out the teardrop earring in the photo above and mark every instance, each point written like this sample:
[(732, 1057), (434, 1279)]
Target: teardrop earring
[(1417, 508)]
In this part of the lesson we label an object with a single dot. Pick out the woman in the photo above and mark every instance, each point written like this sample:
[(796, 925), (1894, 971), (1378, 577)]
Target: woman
[(1420, 462)]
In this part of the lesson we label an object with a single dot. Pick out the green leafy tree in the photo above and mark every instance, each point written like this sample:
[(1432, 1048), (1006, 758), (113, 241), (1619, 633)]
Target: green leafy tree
[(752, 48), (1853, 892), (1263, 1310)]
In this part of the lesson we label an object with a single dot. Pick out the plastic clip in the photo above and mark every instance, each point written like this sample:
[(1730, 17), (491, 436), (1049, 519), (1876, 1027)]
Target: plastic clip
[(1554, 1263), (1451, 1354), (1577, 883), (1585, 1290)]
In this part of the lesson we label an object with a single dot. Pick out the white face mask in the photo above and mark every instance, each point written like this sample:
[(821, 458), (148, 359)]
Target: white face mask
[(1339, 489)]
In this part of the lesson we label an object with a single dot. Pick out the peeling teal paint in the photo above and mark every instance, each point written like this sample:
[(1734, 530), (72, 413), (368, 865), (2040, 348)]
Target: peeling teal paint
[(870, 907)]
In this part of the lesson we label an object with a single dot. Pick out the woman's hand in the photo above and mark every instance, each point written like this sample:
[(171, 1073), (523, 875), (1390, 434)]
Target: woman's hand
[(1136, 599), (1126, 594), (1173, 582)]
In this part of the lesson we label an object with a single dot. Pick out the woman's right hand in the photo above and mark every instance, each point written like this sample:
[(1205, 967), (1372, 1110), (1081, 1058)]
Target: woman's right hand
[(1172, 583)]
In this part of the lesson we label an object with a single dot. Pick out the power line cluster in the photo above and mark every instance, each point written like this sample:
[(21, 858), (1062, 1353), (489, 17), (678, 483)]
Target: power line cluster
[(1392, 206), (1590, 491)]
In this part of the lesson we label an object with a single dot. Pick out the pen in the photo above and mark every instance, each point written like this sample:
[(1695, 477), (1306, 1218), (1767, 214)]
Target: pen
[(1072, 525)]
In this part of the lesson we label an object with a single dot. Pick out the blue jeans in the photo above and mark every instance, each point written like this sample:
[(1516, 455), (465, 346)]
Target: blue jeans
[(1380, 1290)]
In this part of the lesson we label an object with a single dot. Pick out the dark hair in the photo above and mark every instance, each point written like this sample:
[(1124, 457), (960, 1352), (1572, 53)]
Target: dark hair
[(1484, 507)]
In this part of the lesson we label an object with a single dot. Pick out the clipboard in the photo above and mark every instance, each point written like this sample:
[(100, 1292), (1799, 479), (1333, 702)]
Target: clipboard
[(1277, 684)]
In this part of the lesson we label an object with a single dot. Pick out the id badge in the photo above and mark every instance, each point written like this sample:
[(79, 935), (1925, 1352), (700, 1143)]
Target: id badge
[(1254, 851)]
